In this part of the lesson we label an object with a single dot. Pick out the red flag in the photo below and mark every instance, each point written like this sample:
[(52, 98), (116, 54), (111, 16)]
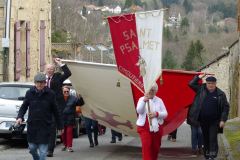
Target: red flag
[(176, 95)]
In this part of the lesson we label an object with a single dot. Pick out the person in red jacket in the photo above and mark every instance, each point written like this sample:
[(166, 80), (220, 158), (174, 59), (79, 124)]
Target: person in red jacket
[(150, 135)]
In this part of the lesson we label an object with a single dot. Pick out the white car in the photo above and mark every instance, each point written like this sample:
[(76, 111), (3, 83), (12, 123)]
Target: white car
[(11, 98)]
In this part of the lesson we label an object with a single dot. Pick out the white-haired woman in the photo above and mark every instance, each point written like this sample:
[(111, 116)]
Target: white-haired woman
[(150, 135)]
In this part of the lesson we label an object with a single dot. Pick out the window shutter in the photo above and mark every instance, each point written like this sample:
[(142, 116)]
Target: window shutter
[(17, 51), (42, 45), (28, 49)]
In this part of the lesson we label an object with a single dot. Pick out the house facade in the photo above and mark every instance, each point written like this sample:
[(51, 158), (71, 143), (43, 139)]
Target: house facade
[(25, 30)]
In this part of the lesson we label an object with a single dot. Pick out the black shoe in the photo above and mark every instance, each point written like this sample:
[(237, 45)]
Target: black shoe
[(174, 140), (91, 145), (113, 141), (206, 156), (64, 148), (212, 155), (50, 154), (96, 142), (120, 139), (169, 137), (195, 152)]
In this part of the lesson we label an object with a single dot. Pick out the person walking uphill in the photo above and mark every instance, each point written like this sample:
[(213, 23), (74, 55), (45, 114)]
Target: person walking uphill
[(210, 109), (40, 102), (91, 126), (55, 81), (150, 137), (69, 113)]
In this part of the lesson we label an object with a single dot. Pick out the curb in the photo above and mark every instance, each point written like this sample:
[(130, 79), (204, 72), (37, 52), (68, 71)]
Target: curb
[(227, 148)]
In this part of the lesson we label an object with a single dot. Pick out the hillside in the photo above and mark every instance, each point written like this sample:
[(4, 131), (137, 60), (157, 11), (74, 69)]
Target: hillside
[(212, 22)]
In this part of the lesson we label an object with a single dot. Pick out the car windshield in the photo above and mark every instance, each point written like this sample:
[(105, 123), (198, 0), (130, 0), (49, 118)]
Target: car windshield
[(13, 92)]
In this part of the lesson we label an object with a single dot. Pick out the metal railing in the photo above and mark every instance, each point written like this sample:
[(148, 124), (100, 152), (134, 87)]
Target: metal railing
[(98, 53)]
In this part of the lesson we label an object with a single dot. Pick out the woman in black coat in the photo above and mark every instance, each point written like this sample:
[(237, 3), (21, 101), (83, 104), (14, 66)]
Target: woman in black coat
[(69, 113)]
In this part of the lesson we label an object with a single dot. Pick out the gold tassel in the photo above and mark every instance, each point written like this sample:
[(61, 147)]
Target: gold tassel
[(118, 84), (161, 80)]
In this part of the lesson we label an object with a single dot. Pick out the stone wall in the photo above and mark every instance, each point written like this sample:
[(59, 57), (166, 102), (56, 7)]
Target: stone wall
[(220, 69), (226, 69), (234, 80), (32, 11)]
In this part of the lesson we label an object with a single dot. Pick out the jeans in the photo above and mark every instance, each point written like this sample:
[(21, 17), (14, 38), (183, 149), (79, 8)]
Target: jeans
[(38, 151), (197, 138)]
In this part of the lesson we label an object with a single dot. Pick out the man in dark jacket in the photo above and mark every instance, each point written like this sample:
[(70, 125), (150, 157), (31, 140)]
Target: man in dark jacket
[(210, 109), (55, 82), (40, 102)]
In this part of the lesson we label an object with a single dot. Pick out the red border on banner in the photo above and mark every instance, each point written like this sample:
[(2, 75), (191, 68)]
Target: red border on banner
[(126, 48)]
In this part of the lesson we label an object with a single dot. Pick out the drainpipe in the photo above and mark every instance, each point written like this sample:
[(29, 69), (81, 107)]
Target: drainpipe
[(7, 22), (5, 40)]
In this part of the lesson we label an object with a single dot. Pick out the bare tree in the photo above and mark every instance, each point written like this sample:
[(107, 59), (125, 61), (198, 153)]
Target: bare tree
[(66, 16)]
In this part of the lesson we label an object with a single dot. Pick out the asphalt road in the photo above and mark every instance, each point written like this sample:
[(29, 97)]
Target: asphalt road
[(129, 149)]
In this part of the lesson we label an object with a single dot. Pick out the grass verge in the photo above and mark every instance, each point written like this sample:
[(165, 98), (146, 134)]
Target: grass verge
[(232, 133)]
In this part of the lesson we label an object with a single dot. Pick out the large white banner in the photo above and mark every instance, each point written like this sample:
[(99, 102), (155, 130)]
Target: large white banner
[(149, 30)]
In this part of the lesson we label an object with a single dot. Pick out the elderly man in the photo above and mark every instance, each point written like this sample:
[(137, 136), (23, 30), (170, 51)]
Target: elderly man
[(210, 109), (40, 102), (55, 82)]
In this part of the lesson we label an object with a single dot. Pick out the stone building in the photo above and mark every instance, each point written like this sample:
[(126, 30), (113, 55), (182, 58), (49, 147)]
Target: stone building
[(226, 70), (25, 30)]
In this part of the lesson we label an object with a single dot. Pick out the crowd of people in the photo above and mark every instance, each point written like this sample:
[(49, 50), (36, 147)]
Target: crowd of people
[(51, 107)]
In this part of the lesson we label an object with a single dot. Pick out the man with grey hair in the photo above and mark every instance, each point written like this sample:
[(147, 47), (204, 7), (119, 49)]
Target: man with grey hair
[(54, 82), (210, 110), (40, 101)]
